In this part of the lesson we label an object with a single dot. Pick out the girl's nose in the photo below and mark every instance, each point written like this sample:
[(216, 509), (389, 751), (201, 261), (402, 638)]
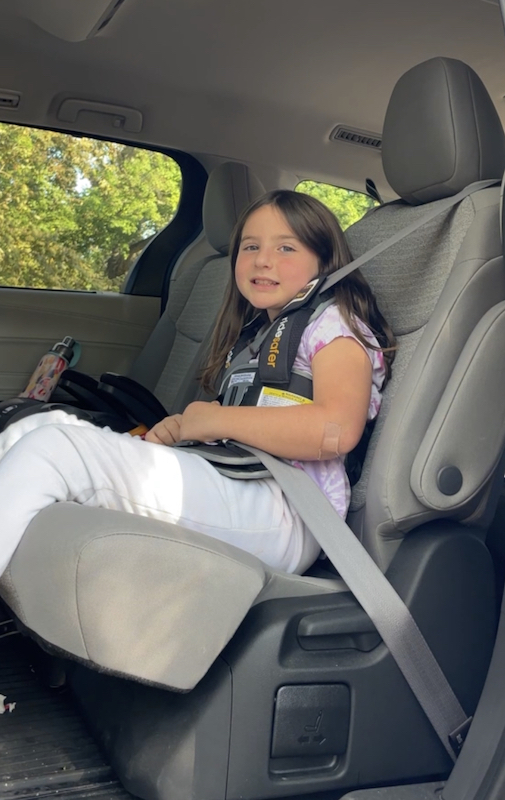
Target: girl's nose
[(262, 258)]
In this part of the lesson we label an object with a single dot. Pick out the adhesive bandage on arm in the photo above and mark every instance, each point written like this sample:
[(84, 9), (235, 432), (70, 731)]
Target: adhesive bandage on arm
[(330, 443)]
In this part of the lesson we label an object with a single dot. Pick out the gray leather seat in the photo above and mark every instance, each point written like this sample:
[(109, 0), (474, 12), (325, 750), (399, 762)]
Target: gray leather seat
[(157, 603)]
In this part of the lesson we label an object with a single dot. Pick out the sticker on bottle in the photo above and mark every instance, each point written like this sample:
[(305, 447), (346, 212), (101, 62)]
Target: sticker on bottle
[(280, 397)]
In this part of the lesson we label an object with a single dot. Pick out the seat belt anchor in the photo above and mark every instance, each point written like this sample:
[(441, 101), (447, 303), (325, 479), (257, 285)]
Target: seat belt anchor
[(458, 736)]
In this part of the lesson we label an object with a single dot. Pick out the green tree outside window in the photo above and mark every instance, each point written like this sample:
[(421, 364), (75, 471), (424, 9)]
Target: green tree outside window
[(348, 206), (75, 213)]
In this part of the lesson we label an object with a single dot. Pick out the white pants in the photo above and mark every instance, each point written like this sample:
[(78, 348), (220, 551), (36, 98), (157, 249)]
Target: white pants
[(54, 457)]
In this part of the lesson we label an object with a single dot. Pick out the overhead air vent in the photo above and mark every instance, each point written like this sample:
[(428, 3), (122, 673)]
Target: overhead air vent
[(9, 99), (355, 136)]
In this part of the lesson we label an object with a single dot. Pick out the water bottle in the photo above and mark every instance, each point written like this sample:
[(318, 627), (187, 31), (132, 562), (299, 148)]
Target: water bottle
[(47, 373)]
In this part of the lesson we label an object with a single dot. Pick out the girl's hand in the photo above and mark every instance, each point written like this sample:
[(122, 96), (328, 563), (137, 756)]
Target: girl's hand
[(167, 432), (200, 421)]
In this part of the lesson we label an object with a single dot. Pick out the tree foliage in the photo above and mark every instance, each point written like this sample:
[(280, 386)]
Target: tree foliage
[(348, 206), (72, 209), (75, 213)]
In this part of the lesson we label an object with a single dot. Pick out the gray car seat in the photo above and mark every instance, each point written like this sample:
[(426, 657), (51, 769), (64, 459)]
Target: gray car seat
[(305, 697)]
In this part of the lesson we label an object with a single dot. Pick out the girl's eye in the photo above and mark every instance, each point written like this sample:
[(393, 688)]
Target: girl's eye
[(249, 247), (286, 248)]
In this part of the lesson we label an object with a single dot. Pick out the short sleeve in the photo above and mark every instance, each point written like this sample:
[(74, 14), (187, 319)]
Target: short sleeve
[(331, 325)]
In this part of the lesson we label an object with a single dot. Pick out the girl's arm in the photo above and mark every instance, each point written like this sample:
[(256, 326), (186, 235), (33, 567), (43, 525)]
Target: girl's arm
[(334, 422)]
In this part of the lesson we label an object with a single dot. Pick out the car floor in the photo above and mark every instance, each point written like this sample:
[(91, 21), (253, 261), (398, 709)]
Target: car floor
[(45, 748)]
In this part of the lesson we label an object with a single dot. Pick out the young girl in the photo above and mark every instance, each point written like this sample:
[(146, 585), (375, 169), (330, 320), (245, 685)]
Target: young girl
[(281, 242)]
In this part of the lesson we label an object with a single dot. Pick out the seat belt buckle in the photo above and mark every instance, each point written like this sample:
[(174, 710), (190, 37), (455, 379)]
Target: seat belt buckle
[(458, 736)]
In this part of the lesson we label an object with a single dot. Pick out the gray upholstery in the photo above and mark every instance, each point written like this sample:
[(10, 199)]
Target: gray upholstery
[(196, 292), (172, 603), (441, 132), (169, 599), (233, 187), (157, 602), (409, 278), (202, 288), (433, 287), (472, 401), (384, 508)]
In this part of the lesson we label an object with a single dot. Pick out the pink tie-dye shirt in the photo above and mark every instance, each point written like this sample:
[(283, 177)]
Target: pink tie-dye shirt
[(331, 476)]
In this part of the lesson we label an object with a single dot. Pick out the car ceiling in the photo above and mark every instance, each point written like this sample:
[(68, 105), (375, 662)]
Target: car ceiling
[(263, 82)]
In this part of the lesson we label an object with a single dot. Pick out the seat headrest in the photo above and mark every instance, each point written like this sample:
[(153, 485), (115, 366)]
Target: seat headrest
[(230, 188), (441, 132)]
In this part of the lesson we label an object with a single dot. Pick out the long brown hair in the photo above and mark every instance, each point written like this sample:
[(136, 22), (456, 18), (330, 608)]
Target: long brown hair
[(317, 228)]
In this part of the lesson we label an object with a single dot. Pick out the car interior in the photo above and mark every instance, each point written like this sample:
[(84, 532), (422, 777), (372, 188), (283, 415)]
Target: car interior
[(139, 659)]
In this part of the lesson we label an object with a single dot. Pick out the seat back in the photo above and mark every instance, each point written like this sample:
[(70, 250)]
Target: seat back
[(197, 289), (434, 287)]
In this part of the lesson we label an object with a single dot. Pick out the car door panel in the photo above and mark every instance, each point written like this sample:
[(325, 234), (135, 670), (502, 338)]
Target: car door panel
[(111, 328)]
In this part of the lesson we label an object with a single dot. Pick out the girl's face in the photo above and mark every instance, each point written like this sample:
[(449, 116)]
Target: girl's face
[(272, 263)]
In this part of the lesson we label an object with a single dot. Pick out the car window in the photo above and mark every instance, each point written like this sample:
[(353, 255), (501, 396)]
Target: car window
[(77, 212), (347, 205)]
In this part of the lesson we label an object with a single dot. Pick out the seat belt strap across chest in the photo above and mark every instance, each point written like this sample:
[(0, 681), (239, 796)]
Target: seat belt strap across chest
[(441, 206)]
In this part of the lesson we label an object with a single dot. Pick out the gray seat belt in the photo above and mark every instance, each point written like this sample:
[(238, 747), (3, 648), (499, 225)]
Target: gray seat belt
[(370, 586)]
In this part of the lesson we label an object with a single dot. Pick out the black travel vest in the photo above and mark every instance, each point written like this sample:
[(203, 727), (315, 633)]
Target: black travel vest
[(272, 350)]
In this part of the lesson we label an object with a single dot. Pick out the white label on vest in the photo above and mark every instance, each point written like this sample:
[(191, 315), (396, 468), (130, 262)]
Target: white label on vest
[(241, 377), (279, 397)]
